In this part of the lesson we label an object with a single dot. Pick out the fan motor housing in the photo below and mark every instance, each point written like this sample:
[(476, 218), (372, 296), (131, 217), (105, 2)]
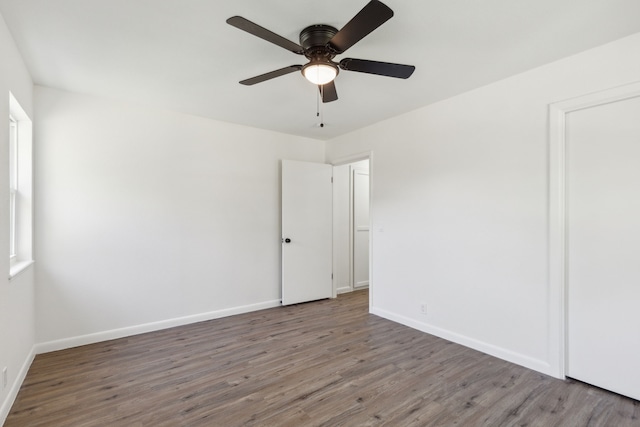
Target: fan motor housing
[(314, 40)]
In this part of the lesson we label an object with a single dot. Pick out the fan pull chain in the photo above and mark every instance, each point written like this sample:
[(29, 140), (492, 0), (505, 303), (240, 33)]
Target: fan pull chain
[(320, 112)]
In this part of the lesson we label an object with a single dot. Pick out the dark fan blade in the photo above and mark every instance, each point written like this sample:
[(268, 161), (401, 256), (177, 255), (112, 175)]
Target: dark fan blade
[(380, 68), (328, 92), (373, 15), (263, 33), (271, 75)]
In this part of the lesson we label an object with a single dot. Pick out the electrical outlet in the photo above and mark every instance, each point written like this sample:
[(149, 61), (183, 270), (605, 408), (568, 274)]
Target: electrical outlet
[(4, 378), (423, 307)]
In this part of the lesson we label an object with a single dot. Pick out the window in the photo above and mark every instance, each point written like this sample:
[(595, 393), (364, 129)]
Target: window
[(13, 184), (20, 188)]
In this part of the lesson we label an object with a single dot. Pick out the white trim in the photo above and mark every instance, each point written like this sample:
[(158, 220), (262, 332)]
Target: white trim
[(351, 227), (19, 267), (15, 387), (65, 343), (490, 349), (371, 234), (557, 213)]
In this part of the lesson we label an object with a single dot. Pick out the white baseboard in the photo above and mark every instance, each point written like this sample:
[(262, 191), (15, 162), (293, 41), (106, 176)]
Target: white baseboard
[(15, 387), (65, 343), (344, 289), (490, 349)]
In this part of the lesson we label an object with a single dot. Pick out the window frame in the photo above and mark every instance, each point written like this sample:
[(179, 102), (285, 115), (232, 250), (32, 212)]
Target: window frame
[(20, 188)]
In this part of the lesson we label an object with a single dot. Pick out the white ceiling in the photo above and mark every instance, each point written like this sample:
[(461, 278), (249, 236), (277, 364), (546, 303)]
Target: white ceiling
[(181, 55)]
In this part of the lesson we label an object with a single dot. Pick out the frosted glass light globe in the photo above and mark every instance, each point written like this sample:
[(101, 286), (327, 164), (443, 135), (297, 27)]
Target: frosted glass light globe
[(319, 73)]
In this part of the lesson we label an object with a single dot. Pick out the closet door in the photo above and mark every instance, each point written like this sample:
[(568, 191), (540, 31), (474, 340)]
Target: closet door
[(603, 246), (360, 228)]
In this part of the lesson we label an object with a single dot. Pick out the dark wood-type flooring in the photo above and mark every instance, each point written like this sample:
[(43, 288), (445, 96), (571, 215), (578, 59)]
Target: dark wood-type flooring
[(326, 363)]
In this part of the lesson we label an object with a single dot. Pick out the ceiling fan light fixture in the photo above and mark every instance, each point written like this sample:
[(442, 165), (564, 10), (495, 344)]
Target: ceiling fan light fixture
[(320, 73)]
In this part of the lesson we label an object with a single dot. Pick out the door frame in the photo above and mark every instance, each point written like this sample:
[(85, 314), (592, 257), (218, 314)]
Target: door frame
[(557, 220), (367, 155)]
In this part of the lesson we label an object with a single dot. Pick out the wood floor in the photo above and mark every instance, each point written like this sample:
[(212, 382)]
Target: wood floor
[(327, 363)]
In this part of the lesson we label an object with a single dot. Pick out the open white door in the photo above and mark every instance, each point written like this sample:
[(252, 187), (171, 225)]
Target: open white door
[(306, 231)]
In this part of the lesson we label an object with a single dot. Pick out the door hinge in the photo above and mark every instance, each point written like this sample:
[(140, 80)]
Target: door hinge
[(332, 180), (331, 276)]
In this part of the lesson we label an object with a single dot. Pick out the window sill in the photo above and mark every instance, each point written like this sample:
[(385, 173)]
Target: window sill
[(18, 268)]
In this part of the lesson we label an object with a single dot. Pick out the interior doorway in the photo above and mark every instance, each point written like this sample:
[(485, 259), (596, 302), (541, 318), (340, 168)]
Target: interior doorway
[(351, 230)]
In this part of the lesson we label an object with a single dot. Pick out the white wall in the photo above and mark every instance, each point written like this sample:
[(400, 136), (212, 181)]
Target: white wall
[(16, 296), (147, 219), (460, 207)]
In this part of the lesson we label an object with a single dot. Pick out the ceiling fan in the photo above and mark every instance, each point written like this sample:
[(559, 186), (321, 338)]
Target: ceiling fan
[(321, 43)]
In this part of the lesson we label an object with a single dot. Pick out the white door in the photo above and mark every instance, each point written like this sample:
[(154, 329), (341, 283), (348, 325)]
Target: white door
[(306, 231), (603, 246), (360, 228)]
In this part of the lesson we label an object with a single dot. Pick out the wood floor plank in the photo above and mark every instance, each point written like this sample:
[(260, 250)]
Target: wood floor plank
[(326, 363)]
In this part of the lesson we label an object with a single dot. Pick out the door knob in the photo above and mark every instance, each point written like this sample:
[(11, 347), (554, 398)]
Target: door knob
[(287, 240)]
